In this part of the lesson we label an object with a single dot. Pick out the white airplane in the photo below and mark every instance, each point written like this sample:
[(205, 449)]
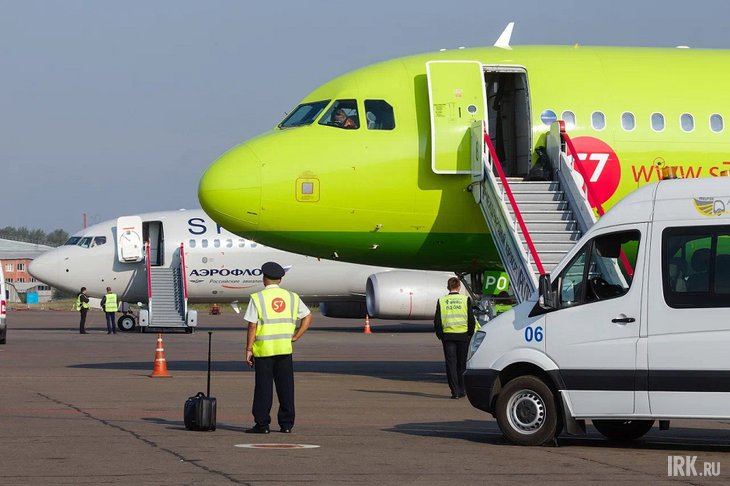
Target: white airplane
[(165, 260)]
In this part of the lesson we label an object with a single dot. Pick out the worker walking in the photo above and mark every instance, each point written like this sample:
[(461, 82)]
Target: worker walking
[(82, 305), (454, 325), (272, 315), (110, 305)]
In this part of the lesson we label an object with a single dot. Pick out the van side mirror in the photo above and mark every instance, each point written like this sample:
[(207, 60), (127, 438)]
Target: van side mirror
[(547, 298)]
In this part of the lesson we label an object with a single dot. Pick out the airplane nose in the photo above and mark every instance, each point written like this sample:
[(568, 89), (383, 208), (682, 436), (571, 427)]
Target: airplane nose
[(46, 268), (230, 190)]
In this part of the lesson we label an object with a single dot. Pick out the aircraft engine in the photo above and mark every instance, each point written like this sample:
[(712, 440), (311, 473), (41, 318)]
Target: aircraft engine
[(343, 310), (405, 294)]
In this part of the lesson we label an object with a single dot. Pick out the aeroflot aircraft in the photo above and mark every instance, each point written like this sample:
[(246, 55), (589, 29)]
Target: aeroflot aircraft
[(388, 187), (221, 267)]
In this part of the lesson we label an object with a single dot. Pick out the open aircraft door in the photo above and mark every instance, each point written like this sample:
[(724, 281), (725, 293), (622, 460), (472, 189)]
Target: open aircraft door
[(457, 99), (130, 246)]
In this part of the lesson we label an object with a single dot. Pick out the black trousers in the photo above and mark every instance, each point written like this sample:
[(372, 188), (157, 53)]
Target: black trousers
[(110, 323), (278, 370), (455, 354), (82, 322)]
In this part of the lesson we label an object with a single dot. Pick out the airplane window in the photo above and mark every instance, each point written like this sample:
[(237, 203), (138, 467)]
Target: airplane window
[(229, 243), (241, 243), (628, 122), (598, 120), (74, 240), (569, 119), (716, 123), (204, 243), (687, 122), (342, 114), (217, 243), (254, 244), (657, 122), (548, 117), (304, 114), (379, 115), (98, 240), (191, 243), (85, 242)]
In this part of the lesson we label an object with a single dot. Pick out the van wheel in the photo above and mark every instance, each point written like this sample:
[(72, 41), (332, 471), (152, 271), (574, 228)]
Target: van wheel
[(126, 323), (526, 411), (623, 430)]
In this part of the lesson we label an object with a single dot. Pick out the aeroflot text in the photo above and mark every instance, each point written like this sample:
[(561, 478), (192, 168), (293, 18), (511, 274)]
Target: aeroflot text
[(224, 272)]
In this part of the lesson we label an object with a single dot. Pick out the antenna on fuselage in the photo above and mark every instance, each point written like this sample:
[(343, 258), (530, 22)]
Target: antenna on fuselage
[(503, 41)]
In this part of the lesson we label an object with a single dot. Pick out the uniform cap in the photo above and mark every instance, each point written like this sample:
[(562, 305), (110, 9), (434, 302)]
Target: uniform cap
[(272, 270)]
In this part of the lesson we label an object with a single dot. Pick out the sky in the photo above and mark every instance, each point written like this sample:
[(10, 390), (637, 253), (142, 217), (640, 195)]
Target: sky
[(118, 107)]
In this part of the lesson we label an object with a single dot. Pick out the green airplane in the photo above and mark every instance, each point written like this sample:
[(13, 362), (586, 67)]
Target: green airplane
[(373, 166)]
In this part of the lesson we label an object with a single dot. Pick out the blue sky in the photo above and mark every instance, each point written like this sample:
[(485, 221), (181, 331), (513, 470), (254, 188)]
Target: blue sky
[(114, 108)]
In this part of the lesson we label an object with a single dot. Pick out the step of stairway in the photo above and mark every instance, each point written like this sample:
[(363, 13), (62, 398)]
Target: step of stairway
[(529, 216), (531, 185)]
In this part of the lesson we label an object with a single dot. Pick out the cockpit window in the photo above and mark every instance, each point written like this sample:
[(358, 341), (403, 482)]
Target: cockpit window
[(98, 240), (304, 114), (85, 242), (73, 240), (379, 115), (342, 114)]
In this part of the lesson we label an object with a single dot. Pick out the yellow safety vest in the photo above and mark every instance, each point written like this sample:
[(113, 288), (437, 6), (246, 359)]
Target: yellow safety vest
[(277, 313), (80, 305), (110, 304), (454, 313)]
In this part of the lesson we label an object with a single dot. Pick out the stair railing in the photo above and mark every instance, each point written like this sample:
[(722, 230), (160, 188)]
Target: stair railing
[(148, 267), (184, 276)]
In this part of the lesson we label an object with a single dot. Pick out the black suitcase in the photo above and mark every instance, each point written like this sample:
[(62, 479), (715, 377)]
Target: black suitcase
[(200, 409)]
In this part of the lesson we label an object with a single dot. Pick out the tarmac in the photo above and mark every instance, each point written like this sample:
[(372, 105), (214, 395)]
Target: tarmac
[(371, 409)]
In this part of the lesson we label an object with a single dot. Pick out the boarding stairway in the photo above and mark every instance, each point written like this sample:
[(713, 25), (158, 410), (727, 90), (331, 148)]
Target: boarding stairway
[(533, 223), (167, 295)]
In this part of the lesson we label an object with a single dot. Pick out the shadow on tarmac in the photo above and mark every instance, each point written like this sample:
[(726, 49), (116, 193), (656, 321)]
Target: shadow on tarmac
[(421, 371), (681, 439), (180, 425)]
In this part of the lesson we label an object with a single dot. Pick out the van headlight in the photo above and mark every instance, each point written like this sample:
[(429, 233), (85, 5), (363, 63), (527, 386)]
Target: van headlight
[(476, 341)]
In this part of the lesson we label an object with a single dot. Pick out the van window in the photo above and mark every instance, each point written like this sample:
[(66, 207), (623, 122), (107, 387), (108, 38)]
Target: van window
[(304, 114), (696, 266), (598, 120), (602, 270), (342, 114), (379, 115)]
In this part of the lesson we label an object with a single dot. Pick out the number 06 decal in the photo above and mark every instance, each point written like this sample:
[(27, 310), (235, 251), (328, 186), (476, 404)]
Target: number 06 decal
[(533, 334)]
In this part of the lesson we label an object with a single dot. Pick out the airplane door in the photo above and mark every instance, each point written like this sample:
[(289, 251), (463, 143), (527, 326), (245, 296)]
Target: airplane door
[(130, 246), (457, 99)]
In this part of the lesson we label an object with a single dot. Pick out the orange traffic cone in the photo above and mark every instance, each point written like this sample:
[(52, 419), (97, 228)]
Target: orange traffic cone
[(160, 369), (367, 325)]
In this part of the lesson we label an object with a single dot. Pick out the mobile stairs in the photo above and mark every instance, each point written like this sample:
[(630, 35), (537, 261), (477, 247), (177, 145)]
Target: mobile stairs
[(167, 296), (534, 224)]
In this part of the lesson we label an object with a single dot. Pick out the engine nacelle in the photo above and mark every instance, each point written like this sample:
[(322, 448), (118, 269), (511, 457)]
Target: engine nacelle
[(405, 294), (343, 310)]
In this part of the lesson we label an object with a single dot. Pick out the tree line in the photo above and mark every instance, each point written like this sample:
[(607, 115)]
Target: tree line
[(54, 238)]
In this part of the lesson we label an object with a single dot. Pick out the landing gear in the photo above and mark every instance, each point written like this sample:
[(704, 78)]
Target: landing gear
[(127, 322)]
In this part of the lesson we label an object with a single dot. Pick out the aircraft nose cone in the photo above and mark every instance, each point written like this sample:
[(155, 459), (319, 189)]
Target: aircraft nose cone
[(230, 190), (46, 268)]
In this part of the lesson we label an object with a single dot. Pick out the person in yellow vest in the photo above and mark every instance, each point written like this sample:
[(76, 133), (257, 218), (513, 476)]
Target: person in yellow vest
[(454, 325), (82, 305), (110, 304), (272, 315)]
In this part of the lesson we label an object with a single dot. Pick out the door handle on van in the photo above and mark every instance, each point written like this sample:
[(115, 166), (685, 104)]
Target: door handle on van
[(623, 319)]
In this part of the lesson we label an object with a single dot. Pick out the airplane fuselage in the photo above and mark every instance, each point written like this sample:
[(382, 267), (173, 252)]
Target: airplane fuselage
[(370, 195)]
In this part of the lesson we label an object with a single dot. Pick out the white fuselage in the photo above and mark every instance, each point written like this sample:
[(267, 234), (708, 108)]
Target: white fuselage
[(219, 266)]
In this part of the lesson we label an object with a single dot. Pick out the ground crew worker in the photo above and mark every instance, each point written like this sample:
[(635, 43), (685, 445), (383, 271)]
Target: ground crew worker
[(272, 315), (110, 305), (454, 325), (82, 305)]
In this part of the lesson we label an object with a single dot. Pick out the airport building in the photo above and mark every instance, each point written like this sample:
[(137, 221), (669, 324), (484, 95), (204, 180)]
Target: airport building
[(15, 257)]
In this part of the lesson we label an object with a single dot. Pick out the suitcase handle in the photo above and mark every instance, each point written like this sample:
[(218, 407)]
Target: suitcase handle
[(210, 338)]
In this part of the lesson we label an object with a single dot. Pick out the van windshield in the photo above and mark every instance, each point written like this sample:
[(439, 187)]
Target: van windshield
[(304, 114)]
